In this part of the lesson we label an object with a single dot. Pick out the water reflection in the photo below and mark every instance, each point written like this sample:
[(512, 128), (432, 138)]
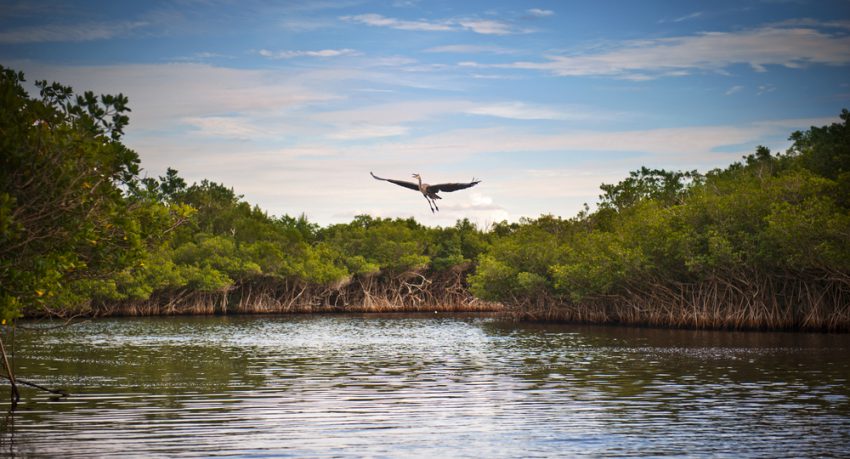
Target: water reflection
[(425, 385)]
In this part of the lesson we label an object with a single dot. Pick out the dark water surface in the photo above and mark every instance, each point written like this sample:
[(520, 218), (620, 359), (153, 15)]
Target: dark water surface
[(424, 386)]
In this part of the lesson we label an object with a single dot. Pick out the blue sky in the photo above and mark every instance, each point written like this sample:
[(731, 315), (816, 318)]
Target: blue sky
[(294, 103)]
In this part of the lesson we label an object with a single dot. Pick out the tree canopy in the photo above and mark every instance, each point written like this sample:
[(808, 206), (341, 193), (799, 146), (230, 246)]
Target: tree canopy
[(768, 237), (70, 220), (782, 219)]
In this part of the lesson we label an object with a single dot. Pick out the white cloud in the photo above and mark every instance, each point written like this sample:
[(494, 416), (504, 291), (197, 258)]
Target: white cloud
[(69, 32), (539, 13), (202, 57), (304, 25), (733, 90), (470, 49), (226, 127), (566, 182), (368, 131), (711, 51), (378, 20), (493, 76), (477, 207), (809, 22), (422, 110), (517, 111), (390, 61), (480, 26), (683, 145), (165, 95), (765, 88), (393, 113), (486, 26), (289, 54), (220, 90), (795, 123), (209, 55), (686, 17)]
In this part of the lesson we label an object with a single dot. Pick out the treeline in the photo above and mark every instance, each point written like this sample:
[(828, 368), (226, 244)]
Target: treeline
[(763, 243), (229, 257), (82, 232)]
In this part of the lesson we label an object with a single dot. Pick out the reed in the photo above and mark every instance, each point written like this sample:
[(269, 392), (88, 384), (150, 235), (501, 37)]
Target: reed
[(167, 303), (751, 302), (748, 303), (410, 291)]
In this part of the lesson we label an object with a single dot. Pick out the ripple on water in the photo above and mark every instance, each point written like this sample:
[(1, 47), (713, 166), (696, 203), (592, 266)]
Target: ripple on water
[(426, 386)]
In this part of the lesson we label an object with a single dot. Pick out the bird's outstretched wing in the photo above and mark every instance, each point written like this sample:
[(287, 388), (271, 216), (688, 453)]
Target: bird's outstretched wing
[(447, 187), (410, 185)]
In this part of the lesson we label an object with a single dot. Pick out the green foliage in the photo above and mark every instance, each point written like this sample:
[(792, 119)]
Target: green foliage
[(667, 187), (205, 278), (826, 152), (393, 245), (494, 280), (456, 247), (68, 225), (358, 265), (595, 264), (811, 234), (320, 266), (781, 216), (519, 263)]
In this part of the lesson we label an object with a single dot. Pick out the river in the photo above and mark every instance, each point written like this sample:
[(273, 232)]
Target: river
[(423, 386)]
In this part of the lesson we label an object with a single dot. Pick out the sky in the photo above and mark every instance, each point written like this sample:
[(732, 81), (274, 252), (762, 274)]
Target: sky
[(292, 104)]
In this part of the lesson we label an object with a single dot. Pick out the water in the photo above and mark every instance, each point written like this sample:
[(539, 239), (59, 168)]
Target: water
[(424, 386)]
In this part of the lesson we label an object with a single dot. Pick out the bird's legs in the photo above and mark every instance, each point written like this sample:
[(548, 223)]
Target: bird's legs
[(429, 204)]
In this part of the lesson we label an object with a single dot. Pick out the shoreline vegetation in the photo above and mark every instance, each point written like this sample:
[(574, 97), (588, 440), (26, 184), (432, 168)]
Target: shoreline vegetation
[(407, 292), (761, 244)]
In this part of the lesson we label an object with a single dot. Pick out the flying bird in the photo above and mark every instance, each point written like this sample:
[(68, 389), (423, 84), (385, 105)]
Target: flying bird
[(430, 191)]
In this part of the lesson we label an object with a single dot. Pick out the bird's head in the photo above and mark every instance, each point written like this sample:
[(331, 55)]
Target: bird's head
[(416, 176)]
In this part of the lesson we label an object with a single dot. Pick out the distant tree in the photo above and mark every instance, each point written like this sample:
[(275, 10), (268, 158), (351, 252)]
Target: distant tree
[(171, 186), (667, 187)]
